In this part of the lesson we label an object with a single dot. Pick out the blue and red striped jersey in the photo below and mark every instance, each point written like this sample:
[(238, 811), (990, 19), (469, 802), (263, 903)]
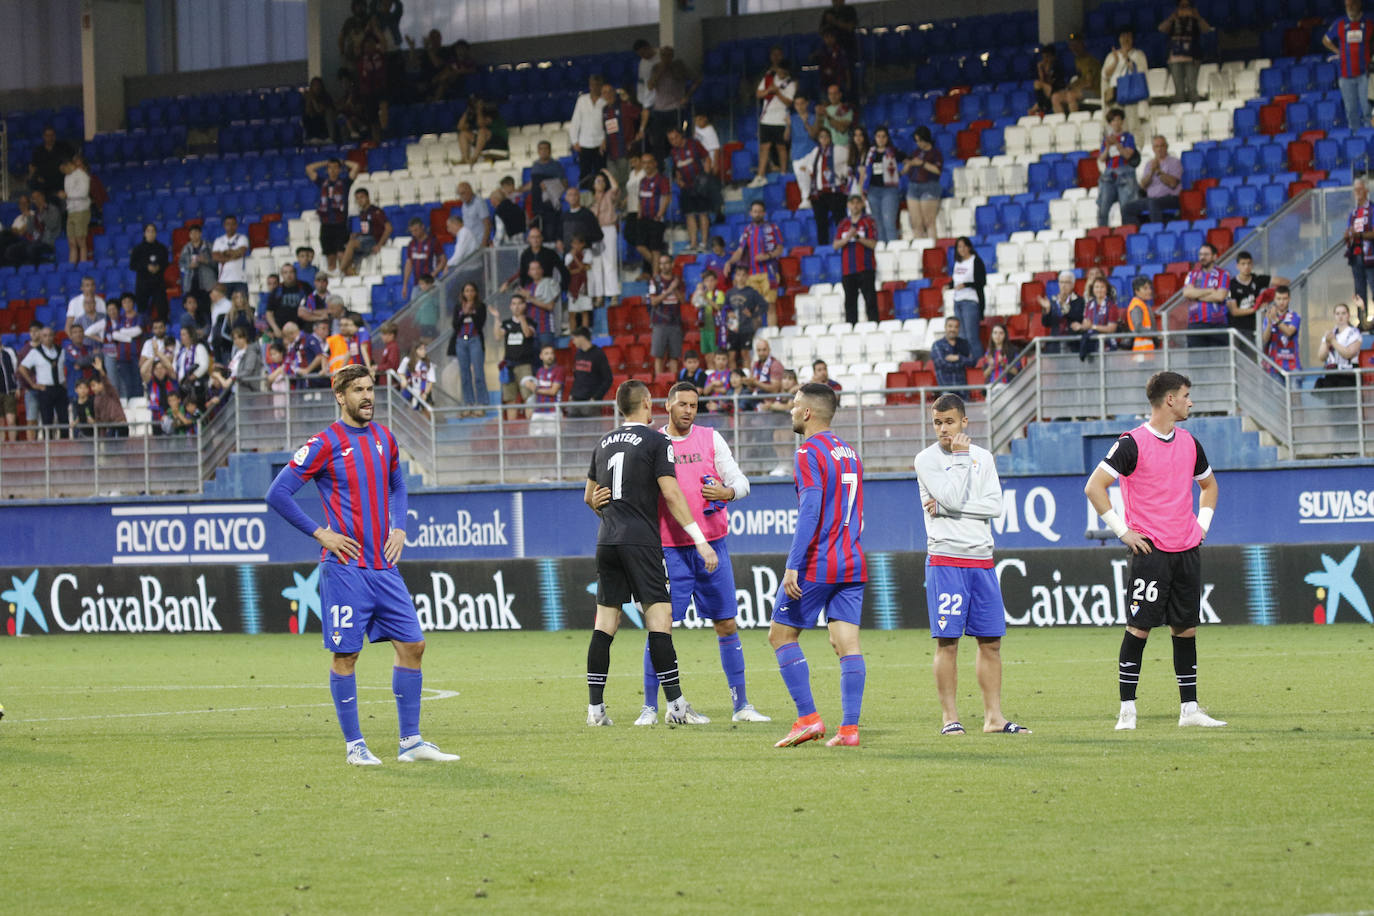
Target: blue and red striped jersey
[(1351, 38), (689, 160), (652, 190), (424, 255), (356, 471), (757, 239), (333, 204), (829, 482), (855, 257)]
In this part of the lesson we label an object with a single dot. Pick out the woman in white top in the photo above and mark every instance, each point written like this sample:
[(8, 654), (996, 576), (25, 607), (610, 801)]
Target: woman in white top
[(603, 283), (76, 191), (969, 276), (1340, 348)]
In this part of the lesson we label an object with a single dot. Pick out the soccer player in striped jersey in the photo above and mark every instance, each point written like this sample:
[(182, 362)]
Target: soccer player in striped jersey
[(826, 570), (356, 465), (1156, 464), (961, 496)]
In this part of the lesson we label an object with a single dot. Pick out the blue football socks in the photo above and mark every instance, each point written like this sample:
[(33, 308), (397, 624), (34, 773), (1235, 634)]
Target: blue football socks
[(852, 674), (344, 689), (796, 674), (732, 662), (406, 684)]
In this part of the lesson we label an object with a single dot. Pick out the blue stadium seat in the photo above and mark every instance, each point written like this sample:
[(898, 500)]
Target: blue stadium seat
[(812, 270), (1218, 160), (1330, 113), (985, 221), (1245, 122), (1038, 177), (992, 142), (1273, 158), (1245, 160), (1190, 241), (1273, 197), (1299, 117), (1013, 217), (1166, 246), (1038, 215), (1300, 78), (1328, 154), (1247, 201), (1139, 248)]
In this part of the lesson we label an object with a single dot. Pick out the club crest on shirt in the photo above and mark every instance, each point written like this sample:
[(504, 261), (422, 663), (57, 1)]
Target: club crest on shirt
[(302, 453), (379, 448)]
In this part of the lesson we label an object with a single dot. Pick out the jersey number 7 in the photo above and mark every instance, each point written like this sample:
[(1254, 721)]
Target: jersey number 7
[(850, 482)]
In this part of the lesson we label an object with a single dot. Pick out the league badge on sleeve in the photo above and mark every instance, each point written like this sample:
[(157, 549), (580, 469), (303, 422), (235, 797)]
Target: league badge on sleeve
[(302, 453)]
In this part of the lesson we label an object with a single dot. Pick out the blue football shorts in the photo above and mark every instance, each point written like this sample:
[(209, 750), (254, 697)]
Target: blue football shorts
[(357, 602), (964, 601), (840, 601), (688, 580)]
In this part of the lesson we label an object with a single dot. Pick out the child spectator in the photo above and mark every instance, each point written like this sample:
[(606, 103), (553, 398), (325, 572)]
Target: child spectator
[(578, 260), (418, 372), (710, 303)]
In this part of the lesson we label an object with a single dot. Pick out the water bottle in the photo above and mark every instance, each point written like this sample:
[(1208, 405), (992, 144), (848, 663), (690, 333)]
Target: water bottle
[(715, 505)]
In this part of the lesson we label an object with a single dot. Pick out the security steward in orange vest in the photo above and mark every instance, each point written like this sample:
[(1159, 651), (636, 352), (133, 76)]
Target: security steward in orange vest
[(1139, 318)]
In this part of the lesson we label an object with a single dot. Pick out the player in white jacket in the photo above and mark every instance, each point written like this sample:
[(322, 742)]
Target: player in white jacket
[(961, 496)]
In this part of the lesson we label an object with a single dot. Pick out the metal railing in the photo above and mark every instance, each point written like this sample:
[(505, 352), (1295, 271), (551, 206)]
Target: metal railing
[(52, 462)]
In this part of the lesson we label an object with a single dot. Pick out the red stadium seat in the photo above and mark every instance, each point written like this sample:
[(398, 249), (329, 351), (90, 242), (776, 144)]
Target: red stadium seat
[(1086, 253), (930, 302), (1219, 238), (1192, 204), (1114, 251), (1271, 119), (947, 109), (1299, 156), (1088, 172), (934, 262)]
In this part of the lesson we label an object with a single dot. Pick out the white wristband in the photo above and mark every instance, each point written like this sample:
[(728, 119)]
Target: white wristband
[(1204, 518), (694, 532), (1114, 522)]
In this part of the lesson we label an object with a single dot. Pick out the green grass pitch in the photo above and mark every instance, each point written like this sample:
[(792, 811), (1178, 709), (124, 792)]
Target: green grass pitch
[(206, 774)]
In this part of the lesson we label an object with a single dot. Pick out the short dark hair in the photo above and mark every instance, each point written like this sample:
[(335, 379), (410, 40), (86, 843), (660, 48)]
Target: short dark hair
[(583, 333), (304, 248), (691, 354), (630, 396), (1245, 256), (1210, 247), (949, 401), (683, 385), (347, 376), (757, 202), (240, 331), (1140, 283), (1282, 290), (1162, 384), (416, 221), (641, 44), (1115, 113), (819, 362), (823, 397)]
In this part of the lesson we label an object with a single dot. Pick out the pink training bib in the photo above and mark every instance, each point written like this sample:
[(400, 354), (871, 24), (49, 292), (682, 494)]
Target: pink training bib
[(693, 457)]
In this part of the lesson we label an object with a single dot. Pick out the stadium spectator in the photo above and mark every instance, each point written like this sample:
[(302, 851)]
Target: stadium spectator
[(1000, 362), (1160, 181), (420, 378), (1207, 290), (587, 131), (620, 116), (1061, 313), (42, 368), (783, 435), (654, 196), (1117, 158), (81, 411), (1124, 59), (1049, 85), (665, 317), (245, 366), (319, 117), (692, 370), (148, 261), (31, 412), (195, 310), (855, 239), (859, 145), (453, 64), (1359, 241), (160, 385), (696, 186), (717, 388), (45, 163), (1349, 39), (476, 215), (704, 132), (389, 357), (349, 346), (1139, 313), (1279, 333), (468, 344), (192, 364), (546, 386), (837, 117), (820, 375), (1244, 293), (424, 255), (14, 232), (543, 294), (197, 263), (548, 181), (157, 349), (1339, 350), (373, 104), (603, 283), (775, 93), (951, 357), (717, 260), (802, 133), (316, 305), (969, 280), (673, 86), (844, 21), (125, 331), (833, 63), (182, 415), (827, 189), (42, 224), (519, 352), (88, 306), (578, 220), (332, 206), (578, 261), (534, 251), (591, 375), (230, 251), (80, 356), (491, 142), (746, 311), (882, 177), (240, 315), (1100, 316), (108, 412), (284, 303), (373, 231), (710, 305), (924, 166), (759, 247), (1185, 28), (304, 353), (648, 59), (1086, 83), (765, 377), (9, 393), (76, 195), (465, 242)]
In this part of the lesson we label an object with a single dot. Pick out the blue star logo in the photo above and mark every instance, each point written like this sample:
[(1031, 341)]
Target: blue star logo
[(23, 604), (1339, 581), (305, 595), (630, 608)]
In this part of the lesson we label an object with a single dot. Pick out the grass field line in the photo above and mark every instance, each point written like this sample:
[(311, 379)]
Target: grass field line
[(435, 694)]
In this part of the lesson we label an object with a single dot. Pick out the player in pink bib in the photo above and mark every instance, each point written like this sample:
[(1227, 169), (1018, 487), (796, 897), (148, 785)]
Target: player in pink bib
[(1156, 465)]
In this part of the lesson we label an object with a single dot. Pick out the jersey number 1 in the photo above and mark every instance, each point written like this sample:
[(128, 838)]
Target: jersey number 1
[(616, 465)]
